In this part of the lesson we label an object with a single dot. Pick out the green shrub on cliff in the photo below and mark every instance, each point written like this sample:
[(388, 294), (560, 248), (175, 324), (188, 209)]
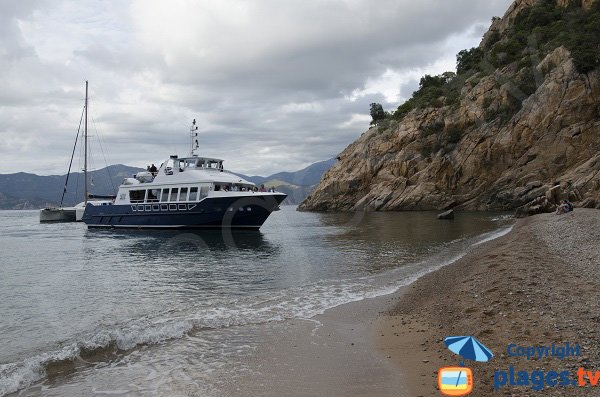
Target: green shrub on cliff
[(539, 29), (434, 91), (377, 113), (535, 32), (469, 60)]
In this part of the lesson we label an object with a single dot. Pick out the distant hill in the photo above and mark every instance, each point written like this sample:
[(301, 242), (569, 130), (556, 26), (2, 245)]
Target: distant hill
[(308, 176), (297, 185), (29, 191)]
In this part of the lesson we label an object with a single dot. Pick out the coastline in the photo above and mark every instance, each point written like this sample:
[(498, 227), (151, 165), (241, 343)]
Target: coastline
[(532, 287), (336, 353), (518, 288)]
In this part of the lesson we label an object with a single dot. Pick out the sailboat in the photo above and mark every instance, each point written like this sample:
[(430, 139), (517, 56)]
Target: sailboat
[(75, 214)]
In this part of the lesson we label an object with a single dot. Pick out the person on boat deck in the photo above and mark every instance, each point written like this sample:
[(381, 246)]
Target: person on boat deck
[(262, 188), (153, 169)]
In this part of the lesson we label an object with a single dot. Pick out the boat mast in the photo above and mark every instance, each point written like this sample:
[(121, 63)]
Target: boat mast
[(193, 138), (85, 135)]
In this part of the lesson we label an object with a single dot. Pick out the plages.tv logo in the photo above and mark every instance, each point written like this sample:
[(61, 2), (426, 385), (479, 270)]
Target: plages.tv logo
[(458, 381), (455, 381)]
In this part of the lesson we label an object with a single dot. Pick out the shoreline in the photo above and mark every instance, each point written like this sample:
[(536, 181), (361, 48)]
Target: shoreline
[(338, 352), (513, 289), (525, 288)]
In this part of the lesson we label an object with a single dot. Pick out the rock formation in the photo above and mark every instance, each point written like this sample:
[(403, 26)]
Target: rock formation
[(474, 155)]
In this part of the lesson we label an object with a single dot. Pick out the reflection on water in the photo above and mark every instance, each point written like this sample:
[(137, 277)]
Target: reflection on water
[(178, 245)]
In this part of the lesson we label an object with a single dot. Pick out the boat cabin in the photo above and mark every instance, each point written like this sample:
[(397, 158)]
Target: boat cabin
[(175, 164), (182, 180)]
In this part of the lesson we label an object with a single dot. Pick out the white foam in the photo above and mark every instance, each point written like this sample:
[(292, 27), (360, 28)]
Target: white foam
[(493, 235)]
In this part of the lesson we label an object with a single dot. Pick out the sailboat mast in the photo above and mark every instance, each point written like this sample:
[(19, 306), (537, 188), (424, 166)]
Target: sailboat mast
[(85, 135)]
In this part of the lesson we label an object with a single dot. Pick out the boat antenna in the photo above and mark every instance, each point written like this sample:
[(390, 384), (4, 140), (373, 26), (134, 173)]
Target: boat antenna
[(85, 135), (193, 138)]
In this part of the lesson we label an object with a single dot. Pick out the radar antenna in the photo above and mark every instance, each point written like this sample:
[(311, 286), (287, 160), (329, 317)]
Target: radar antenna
[(193, 138)]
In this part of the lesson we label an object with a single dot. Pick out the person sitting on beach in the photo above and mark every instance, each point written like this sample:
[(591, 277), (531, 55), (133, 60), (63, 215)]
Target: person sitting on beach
[(563, 208), (570, 205)]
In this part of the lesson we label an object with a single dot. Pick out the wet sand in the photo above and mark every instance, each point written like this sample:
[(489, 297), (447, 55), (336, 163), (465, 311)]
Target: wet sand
[(538, 285), (333, 354)]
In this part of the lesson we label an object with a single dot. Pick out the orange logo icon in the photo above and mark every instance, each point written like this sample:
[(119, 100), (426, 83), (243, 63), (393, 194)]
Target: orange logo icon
[(455, 381)]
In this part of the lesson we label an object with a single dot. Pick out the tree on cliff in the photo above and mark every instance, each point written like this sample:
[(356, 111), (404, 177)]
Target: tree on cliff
[(467, 60), (377, 113)]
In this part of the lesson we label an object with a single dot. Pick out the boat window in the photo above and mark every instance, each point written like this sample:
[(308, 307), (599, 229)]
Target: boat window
[(165, 195), (203, 191), (193, 193), (137, 196), (153, 195), (217, 188), (191, 163), (183, 194), (174, 192)]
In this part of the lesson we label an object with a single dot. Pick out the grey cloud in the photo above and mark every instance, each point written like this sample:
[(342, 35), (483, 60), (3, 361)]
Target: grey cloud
[(145, 95)]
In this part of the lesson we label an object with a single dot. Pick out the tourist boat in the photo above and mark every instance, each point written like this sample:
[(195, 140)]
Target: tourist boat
[(75, 214), (186, 193)]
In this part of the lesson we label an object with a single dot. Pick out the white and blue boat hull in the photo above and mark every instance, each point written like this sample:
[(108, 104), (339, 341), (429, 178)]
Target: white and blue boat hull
[(236, 212)]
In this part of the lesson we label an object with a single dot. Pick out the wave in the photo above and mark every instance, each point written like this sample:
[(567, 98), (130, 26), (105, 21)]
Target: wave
[(300, 302), (484, 238)]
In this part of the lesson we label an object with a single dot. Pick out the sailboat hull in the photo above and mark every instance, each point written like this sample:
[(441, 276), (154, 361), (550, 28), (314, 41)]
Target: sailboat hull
[(57, 215)]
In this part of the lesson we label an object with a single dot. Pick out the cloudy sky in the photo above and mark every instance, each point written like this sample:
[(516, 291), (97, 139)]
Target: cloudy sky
[(274, 84)]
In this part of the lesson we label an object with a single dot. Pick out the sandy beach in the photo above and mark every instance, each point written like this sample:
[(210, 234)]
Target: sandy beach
[(536, 286)]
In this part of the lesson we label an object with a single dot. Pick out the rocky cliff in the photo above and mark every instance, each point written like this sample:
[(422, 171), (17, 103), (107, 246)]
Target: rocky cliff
[(525, 133)]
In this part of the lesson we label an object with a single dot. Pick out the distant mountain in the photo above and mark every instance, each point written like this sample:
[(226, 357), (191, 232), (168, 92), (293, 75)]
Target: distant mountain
[(297, 185), (29, 191), (308, 176)]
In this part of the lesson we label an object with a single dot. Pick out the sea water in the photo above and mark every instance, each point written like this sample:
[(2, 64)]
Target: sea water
[(86, 312)]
